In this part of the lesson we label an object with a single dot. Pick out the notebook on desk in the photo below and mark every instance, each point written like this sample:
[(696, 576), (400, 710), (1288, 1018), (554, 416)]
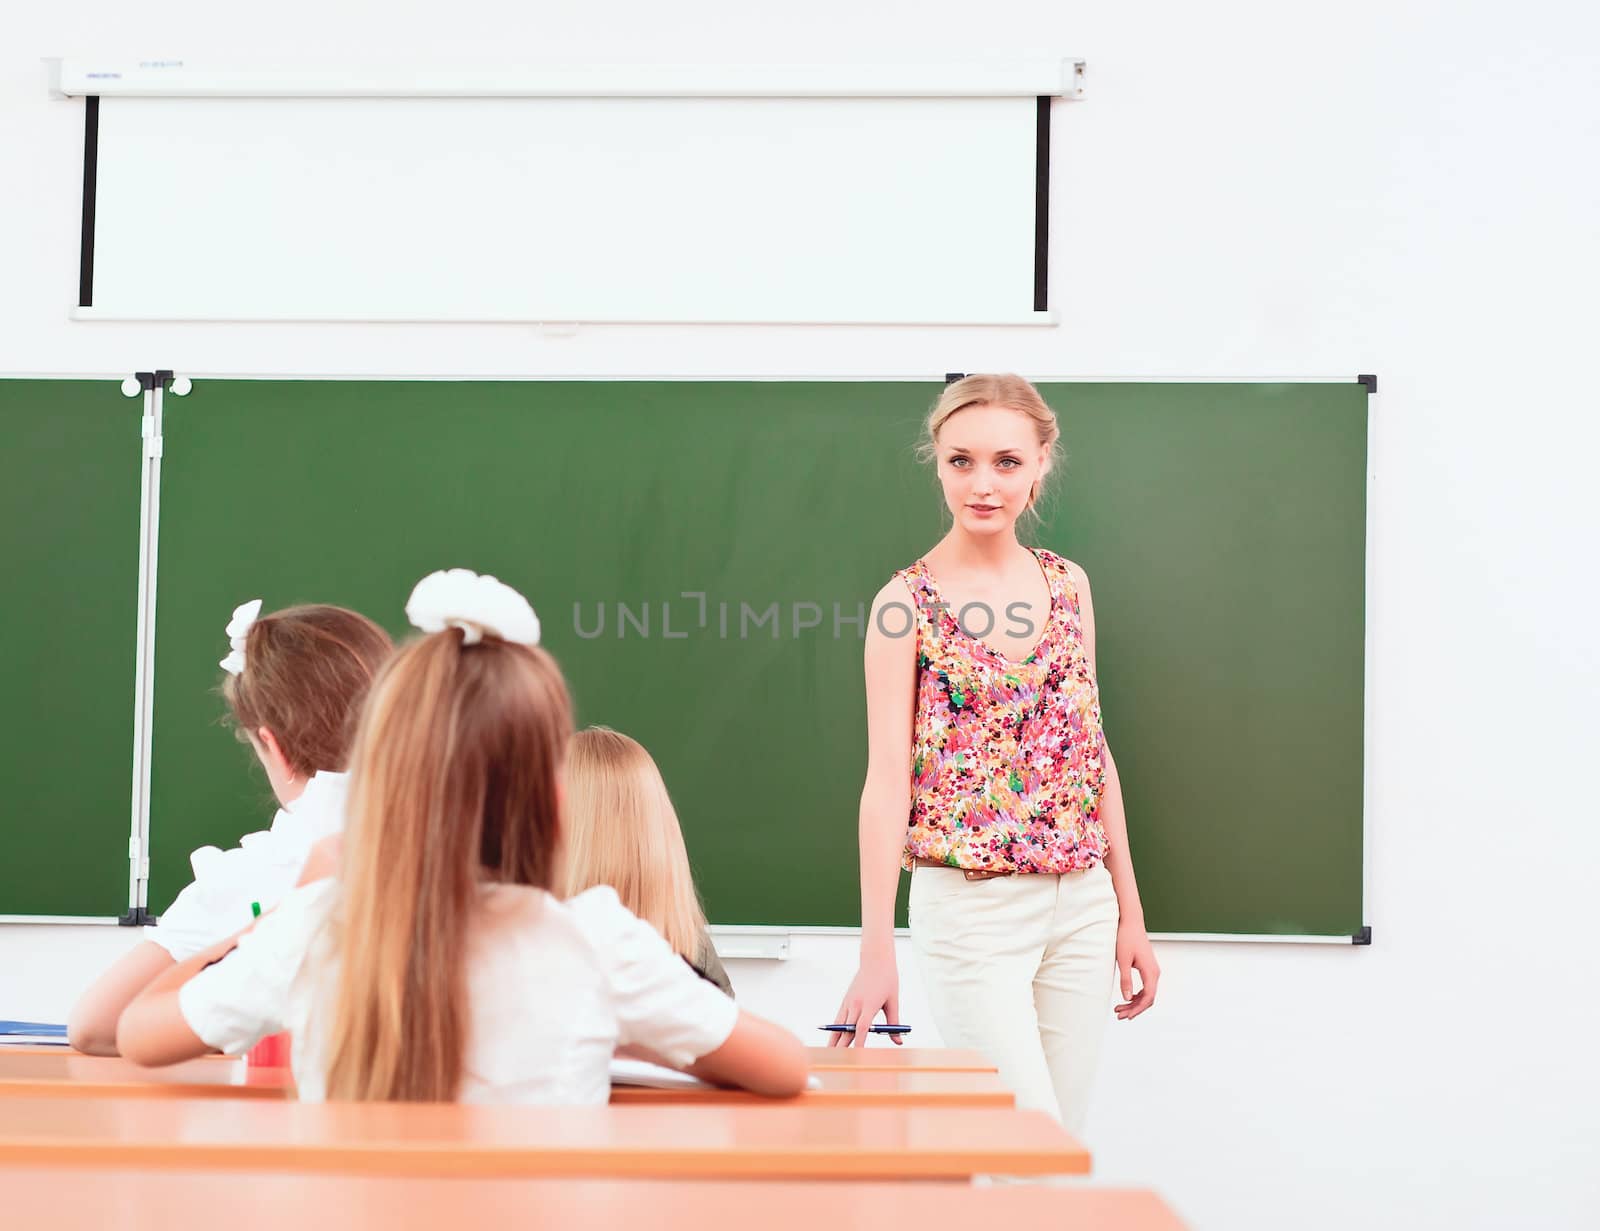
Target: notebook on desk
[(32, 1034)]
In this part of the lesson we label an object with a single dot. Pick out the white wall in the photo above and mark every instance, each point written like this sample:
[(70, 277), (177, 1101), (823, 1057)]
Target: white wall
[(1250, 189)]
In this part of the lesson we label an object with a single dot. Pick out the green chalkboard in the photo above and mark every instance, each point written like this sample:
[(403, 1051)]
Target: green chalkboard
[(69, 525), (1223, 526)]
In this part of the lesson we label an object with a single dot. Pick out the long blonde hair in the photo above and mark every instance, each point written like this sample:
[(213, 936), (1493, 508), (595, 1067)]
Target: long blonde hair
[(453, 782), (623, 831)]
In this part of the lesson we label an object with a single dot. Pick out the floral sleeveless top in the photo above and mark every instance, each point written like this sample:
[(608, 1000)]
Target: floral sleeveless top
[(1008, 758)]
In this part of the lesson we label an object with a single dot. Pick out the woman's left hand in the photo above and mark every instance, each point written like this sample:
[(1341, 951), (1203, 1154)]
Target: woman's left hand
[(1135, 952)]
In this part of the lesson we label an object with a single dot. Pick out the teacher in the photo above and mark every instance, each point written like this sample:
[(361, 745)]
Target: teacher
[(988, 776)]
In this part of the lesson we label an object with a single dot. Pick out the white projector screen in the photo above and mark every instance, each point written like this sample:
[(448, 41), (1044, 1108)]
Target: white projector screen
[(836, 210)]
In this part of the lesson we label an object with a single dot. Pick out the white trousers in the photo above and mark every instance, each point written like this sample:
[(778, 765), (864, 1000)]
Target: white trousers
[(1021, 968)]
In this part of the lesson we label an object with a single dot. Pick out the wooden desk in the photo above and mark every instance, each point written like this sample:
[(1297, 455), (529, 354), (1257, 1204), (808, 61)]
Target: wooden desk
[(929, 1059), (69, 1074), (782, 1141), (41, 1049), (64, 1074), (74, 1199), (853, 1088)]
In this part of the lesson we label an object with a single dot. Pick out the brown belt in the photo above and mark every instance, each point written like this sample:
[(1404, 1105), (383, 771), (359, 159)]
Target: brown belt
[(972, 874)]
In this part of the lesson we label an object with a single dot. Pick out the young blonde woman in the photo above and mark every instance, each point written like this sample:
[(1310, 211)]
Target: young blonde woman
[(989, 777), (438, 965), (623, 831)]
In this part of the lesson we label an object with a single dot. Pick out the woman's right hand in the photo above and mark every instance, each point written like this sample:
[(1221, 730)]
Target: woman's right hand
[(891, 674), (875, 988)]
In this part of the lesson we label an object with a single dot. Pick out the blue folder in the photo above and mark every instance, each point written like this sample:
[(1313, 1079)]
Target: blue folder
[(44, 1028)]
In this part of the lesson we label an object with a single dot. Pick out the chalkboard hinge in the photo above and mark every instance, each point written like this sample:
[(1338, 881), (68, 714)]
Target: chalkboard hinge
[(1363, 937), (150, 380), (137, 917), (1370, 380), (950, 378)]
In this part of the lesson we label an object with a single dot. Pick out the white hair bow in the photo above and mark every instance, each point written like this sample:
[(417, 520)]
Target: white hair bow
[(238, 630), (476, 604)]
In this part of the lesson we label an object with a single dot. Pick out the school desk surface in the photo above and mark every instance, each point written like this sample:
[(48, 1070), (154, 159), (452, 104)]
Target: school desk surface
[(89, 1199), (854, 1088), (784, 1141), (70, 1075), (932, 1059)]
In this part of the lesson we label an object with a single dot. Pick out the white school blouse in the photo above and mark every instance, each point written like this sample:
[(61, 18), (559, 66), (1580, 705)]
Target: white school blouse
[(553, 989), (262, 868)]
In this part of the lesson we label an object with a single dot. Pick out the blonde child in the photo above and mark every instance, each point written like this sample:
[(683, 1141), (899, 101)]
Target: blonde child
[(622, 831), (294, 682), (438, 965)]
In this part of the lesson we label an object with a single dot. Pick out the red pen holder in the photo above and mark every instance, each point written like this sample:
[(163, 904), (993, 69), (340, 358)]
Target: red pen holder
[(271, 1053)]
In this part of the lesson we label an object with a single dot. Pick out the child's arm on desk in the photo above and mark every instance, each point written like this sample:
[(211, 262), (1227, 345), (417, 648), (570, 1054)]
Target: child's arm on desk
[(231, 996), (92, 1024), (760, 1056), (152, 1030)]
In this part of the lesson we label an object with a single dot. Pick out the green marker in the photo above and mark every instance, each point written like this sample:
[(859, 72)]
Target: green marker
[(255, 910)]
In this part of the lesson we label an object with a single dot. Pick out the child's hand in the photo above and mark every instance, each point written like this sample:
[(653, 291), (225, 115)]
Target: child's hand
[(323, 861)]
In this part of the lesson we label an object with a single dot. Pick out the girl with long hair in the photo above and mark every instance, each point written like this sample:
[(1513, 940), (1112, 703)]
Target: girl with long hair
[(439, 965), (623, 831)]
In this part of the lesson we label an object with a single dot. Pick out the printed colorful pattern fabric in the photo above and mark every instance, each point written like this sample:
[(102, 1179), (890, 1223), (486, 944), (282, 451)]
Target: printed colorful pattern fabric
[(1008, 758)]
